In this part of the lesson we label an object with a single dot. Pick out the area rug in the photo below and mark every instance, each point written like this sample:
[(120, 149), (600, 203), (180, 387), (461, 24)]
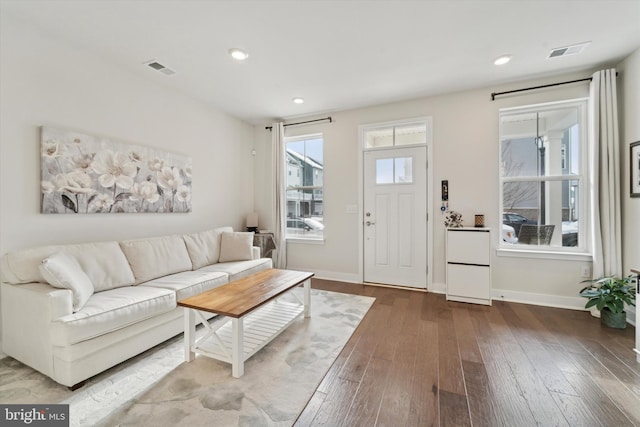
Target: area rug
[(157, 388)]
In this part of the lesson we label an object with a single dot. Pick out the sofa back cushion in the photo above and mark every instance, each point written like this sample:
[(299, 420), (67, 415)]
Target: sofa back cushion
[(204, 247), (156, 257), (103, 262)]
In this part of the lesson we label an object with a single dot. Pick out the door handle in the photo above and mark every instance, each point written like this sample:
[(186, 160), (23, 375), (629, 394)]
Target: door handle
[(369, 223)]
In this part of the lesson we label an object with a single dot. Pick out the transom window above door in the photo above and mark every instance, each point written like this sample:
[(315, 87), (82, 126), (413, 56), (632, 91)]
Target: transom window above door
[(397, 134)]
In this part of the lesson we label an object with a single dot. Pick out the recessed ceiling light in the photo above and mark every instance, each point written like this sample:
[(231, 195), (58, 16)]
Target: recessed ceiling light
[(238, 54), (298, 100), (503, 60)]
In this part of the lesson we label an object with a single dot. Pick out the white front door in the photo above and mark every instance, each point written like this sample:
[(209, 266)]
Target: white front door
[(395, 216)]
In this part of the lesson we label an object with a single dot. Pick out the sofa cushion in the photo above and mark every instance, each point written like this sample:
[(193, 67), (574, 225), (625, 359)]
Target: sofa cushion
[(103, 262), (62, 270), (111, 310), (156, 257), (189, 283), (239, 269), (236, 246), (204, 247)]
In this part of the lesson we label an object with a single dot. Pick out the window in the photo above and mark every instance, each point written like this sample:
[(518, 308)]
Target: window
[(396, 135), (305, 194), (394, 170), (543, 177)]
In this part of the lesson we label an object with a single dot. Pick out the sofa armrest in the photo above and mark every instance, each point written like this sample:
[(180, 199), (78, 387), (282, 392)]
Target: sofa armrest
[(255, 252), (27, 313)]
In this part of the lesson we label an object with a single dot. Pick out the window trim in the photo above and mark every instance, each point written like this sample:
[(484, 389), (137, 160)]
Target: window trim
[(536, 252), (581, 252)]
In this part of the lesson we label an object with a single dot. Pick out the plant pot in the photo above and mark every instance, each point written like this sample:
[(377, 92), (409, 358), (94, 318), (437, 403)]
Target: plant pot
[(613, 320)]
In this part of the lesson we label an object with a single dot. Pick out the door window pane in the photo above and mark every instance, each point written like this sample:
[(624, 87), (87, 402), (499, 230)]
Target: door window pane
[(403, 170), (384, 171), (394, 170)]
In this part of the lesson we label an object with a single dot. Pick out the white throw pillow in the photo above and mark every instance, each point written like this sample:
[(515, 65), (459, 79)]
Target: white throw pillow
[(237, 246), (62, 270), (204, 247)]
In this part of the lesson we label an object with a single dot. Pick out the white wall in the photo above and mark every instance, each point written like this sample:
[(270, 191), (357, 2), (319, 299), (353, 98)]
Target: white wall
[(45, 81), (629, 116), (629, 111), (465, 151)]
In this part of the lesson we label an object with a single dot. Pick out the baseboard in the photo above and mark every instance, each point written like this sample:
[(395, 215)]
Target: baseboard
[(570, 303), (438, 288), (339, 277), (556, 301), (631, 315)]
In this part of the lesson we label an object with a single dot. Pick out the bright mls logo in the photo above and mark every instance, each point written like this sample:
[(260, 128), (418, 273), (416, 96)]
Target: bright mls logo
[(34, 415)]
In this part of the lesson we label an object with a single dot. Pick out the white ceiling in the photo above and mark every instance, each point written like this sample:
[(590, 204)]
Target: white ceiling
[(336, 54)]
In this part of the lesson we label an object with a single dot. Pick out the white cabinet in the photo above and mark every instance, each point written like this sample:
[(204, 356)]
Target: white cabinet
[(469, 265)]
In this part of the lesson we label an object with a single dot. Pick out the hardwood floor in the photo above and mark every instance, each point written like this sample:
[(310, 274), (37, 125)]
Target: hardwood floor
[(418, 360)]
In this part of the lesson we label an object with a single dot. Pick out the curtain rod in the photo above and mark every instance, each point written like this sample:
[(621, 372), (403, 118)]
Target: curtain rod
[(303, 123), (494, 94)]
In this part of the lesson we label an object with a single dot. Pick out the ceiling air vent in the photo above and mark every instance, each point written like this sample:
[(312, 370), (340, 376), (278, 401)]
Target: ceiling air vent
[(568, 50), (159, 67)]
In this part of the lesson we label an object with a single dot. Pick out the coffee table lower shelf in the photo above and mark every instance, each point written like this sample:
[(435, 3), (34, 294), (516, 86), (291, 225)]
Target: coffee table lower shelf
[(253, 332), (251, 311)]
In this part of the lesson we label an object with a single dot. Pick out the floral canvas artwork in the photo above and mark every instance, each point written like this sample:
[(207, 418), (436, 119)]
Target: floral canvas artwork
[(90, 174)]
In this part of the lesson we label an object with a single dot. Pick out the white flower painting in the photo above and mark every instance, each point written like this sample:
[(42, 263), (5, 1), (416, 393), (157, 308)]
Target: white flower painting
[(89, 174)]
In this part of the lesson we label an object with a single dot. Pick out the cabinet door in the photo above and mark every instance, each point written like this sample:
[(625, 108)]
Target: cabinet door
[(469, 247), (469, 281)]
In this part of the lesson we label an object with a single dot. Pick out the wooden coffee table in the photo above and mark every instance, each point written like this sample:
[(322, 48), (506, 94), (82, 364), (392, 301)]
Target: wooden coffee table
[(256, 315)]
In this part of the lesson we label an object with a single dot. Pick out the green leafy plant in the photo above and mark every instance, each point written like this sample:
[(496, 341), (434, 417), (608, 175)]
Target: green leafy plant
[(610, 293)]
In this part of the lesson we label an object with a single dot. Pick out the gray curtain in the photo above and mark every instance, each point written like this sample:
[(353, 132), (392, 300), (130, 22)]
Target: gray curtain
[(604, 151), (279, 195)]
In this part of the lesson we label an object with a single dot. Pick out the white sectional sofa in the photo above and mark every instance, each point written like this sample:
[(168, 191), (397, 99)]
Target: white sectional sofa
[(72, 311)]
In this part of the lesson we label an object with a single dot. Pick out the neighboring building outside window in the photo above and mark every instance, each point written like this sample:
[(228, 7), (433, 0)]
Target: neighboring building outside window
[(544, 177), (305, 193)]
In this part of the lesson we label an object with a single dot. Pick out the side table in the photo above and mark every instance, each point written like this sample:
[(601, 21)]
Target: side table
[(265, 242)]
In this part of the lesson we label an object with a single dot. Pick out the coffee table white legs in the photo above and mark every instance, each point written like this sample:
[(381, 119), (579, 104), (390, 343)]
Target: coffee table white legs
[(189, 334), (237, 347), (225, 338), (237, 341), (307, 298)]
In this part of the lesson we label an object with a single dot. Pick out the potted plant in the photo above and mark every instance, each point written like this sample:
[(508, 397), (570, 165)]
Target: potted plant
[(609, 295)]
